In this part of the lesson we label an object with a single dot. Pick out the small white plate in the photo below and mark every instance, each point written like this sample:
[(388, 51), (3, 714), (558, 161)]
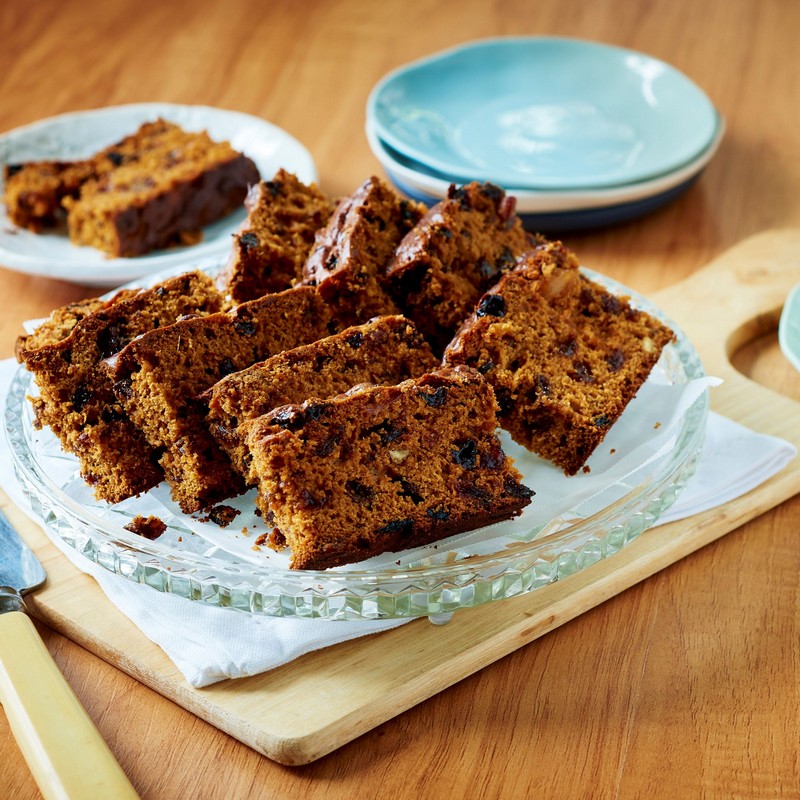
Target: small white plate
[(543, 113), (80, 134), (789, 328)]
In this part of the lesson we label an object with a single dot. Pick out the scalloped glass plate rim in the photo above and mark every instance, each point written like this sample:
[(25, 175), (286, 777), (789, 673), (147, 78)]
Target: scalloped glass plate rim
[(216, 580)]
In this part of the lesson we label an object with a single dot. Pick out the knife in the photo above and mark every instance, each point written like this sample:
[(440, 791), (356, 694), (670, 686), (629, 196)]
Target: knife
[(64, 750)]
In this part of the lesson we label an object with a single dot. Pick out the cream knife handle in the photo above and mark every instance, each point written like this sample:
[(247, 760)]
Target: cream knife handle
[(65, 752)]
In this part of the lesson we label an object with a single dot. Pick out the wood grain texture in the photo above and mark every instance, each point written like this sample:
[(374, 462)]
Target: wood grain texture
[(684, 685)]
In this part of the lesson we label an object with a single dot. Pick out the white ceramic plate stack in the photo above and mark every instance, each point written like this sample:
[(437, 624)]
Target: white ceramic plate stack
[(582, 134)]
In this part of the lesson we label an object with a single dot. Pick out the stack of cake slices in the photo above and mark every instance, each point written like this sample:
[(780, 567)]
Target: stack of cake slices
[(352, 362)]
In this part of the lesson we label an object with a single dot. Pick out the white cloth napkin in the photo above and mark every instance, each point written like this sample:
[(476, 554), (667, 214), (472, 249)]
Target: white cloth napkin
[(208, 644)]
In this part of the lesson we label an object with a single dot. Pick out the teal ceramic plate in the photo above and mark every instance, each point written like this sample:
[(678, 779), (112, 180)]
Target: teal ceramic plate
[(789, 328), (539, 112), (430, 188)]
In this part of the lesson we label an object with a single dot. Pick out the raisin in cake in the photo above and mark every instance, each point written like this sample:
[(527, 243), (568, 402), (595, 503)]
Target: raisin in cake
[(563, 354), (158, 379), (349, 259), (162, 194), (383, 468), (386, 350), (457, 251), (76, 399), (274, 241)]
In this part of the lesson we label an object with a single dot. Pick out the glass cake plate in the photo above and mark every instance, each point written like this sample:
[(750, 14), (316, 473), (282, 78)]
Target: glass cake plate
[(501, 561)]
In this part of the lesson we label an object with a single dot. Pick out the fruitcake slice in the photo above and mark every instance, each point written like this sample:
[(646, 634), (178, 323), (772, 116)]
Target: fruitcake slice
[(350, 256), (383, 468), (76, 398), (269, 250), (159, 377), (457, 251), (563, 354)]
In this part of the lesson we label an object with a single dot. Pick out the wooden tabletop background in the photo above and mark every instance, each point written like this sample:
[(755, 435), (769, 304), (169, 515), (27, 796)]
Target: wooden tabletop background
[(687, 685)]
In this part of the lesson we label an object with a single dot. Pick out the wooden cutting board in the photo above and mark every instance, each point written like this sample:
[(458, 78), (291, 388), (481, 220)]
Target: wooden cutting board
[(305, 709)]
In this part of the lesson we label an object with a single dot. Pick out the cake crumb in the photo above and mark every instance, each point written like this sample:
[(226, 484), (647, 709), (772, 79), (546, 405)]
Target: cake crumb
[(276, 540), (149, 527), (223, 515)]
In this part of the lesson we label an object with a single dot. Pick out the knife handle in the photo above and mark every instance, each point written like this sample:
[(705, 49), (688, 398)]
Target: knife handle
[(65, 752)]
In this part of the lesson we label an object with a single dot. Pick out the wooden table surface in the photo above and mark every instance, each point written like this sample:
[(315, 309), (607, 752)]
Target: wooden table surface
[(688, 684)]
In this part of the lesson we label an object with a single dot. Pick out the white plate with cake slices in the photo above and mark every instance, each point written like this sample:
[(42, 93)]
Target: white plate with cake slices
[(80, 134)]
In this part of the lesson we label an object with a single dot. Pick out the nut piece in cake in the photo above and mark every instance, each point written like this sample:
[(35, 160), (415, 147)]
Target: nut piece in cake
[(76, 398), (457, 251), (350, 256), (274, 241), (563, 354), (158, 378), (386, 350), (383, 468)]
